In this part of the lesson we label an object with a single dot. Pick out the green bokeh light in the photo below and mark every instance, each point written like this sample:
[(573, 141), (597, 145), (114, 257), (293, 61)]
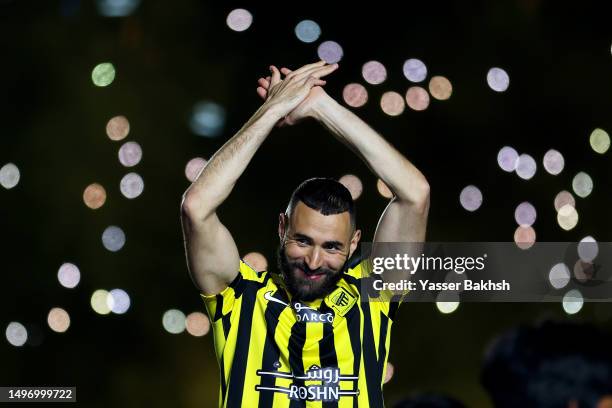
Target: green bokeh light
[(103, 74)]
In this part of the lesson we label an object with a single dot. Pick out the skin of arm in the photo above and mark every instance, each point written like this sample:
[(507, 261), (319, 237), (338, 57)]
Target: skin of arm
[(212, 256), (405, 217)]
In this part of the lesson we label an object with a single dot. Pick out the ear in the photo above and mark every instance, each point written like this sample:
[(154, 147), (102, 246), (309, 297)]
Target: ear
[(282, 226), (355, 241)]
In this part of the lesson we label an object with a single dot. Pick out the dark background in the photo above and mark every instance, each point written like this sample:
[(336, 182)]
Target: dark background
[(169, 56)]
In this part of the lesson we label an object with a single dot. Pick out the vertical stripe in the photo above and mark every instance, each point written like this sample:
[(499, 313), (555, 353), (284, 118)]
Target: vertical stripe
[(370, 361), (327, 350), (314, 334), (238, 369), (271, 353), (286, 321), (296, 348), (382, 343), (254, 358)]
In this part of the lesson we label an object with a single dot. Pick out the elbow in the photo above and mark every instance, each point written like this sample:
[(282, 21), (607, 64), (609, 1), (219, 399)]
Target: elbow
[(418, 195), (422, 198), (192, 206)]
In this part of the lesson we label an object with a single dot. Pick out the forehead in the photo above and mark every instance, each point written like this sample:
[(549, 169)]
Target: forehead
[(305, 220)]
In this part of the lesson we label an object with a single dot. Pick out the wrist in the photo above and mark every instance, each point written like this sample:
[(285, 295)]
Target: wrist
[(270, 112), (324, 103)]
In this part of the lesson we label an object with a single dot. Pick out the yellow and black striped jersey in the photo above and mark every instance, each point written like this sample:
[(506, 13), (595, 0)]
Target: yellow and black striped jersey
[(275, 352)]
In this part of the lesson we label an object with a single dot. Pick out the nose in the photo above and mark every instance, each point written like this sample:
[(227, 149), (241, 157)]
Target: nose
[(314, 259)]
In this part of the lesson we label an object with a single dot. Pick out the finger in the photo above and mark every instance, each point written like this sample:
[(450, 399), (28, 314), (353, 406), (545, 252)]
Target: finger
[(262, 92), (318, 72), (275, 75), (263, 83), (307, 67), (314, 81), (285, 71)]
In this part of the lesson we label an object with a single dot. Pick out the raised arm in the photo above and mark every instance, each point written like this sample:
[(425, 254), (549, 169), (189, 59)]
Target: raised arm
[(212, 256), (405, 218)]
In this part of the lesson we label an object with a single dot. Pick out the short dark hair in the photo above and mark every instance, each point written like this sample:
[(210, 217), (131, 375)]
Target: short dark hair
[(326, 195), (549, 365)]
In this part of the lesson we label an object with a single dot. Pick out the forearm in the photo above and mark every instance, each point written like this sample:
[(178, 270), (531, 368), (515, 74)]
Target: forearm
[(396, 171), (217, 179)]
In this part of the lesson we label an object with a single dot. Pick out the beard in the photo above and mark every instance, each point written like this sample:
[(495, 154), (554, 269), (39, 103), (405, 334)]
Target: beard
[(305, 289)]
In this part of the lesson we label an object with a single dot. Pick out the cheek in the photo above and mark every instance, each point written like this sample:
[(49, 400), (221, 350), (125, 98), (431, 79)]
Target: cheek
[(294, 252)]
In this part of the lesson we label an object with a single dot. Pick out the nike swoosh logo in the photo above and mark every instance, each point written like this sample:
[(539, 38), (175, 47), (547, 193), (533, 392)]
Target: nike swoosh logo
[(268, 296)]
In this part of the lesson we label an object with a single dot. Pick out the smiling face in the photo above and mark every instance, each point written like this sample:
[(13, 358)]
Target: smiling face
[(313, 250)]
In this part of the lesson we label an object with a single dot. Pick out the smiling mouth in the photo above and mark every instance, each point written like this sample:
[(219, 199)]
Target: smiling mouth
[(309, 276)]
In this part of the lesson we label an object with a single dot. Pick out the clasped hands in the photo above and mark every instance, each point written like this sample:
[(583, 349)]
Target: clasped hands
[(295, 96)]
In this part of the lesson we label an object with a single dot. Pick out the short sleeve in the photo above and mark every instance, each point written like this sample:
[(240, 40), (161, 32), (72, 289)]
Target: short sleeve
[(223, 303), (386, 300)]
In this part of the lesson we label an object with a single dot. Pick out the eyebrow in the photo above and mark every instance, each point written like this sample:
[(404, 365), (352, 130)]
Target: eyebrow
[(338, 244)]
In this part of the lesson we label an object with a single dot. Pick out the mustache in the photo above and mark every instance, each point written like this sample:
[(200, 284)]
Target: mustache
[(304, 267)]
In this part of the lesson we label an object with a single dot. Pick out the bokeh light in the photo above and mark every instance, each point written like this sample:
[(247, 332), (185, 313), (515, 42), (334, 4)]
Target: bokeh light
[(389, 373), (117, 128), (600, 141), (440, 88), (524, 237), (355, 95), (256, 260), (103, 74), (239, 19), (94, 196), (16, 334), (99, 302), (118, 301), (447, 307), (374, 72), (559, 276), (588, 249), (414, 70), (582, 184), (526, 167), (9, 176), (197, 324), (470, 198), (567, 217), (113, 238), (383, 190), (330, 52), (58, 320), (573, 301), (498, 79), (417, 98), (392, 103), (194, 167), (525, 214), (562, 198), (353, 184), (553, 162), (207, 119), (130, 154), (307, 31), (174, 321), (116, 8), (131, 185), (68, 275), (507, 159)]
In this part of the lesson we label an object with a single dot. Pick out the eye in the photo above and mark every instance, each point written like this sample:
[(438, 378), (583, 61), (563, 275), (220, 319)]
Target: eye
[(301, 241), (331, 247)]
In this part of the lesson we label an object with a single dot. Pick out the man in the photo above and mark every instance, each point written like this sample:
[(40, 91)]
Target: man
[(551, 365), (301, 337)]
